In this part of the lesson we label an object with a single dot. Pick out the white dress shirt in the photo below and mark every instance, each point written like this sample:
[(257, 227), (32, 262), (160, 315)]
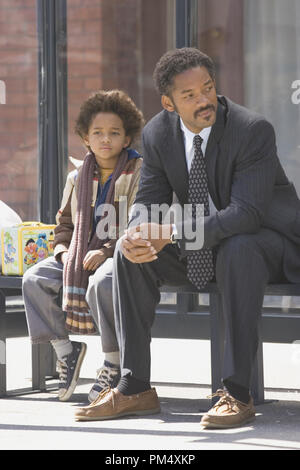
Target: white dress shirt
[(188, 137)]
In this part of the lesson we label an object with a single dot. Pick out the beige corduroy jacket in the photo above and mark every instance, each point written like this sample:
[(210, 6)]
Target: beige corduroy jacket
[(125, 186)]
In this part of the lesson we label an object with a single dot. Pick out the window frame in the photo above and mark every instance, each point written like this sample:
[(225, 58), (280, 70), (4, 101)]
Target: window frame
[(52, 105)]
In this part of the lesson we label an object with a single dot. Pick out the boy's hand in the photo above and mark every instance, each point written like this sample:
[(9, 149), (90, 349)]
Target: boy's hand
[(93, 259)]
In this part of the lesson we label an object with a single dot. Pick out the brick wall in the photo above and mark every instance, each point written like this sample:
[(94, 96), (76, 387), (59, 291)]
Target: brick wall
[(18, 117), (111, 44), (103, 42), (84, 26)]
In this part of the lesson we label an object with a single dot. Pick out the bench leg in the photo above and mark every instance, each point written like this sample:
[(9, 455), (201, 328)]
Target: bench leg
[(38, 367), (43, 365), (185, 303), (51, 363), (3, 390), (216, 341), (257, 384)]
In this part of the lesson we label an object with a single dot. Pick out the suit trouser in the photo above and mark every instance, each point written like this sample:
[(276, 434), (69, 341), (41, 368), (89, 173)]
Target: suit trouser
[(42, 288), (244, 264)]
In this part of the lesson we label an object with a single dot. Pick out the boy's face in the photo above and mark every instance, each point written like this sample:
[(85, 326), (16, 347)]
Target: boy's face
[(194, 98), (106, 138)]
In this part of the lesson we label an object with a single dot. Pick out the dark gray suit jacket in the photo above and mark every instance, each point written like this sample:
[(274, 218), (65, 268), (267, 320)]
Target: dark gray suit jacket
[(245, 178)]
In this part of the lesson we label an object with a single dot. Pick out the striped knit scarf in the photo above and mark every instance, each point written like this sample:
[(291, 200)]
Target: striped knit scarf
[(75, 278)]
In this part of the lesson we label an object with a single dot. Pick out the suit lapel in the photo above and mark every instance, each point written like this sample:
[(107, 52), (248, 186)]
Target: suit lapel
[(175, 159), (212, 153)]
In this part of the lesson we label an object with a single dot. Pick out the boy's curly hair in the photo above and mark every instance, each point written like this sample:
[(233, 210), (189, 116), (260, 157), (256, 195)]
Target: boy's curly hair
[(177, 61), (112, 101)]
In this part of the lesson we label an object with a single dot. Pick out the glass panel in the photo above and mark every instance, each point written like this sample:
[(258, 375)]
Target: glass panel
[(255, 46), (168, 298), (272, 65), (115, 44), (18, 107), (203, 299), (220, 35)]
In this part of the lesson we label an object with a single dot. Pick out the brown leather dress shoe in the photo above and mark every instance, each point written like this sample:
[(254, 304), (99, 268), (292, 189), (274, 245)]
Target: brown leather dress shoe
[(228, 412), (112, 404)]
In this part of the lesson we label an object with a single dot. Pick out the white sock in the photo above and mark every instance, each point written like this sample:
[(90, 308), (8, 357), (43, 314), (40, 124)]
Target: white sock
[(113, 357), (62, 347)]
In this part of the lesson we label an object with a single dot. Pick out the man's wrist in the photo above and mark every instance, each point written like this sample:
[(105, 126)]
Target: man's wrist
[(174, 234), (169, 233)]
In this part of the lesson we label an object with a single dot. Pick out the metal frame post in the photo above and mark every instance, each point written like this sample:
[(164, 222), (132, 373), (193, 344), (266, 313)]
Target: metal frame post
[(52, 109), (186, 23)]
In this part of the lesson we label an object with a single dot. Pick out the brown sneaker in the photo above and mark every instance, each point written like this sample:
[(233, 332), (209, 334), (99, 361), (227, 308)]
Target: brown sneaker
[(112, 404), (228, 412)]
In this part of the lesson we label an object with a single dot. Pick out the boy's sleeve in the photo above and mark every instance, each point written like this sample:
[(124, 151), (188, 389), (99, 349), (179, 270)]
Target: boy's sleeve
[(134, 185), (64, 229)]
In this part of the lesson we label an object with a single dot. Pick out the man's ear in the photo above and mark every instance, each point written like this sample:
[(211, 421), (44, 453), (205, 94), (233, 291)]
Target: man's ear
[(167, 103)]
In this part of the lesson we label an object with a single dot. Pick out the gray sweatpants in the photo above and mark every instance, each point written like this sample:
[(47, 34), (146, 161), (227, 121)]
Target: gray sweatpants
[(42, 288)]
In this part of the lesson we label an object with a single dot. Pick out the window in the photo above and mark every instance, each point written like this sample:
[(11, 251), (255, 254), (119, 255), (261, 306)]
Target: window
[(18, 107), (255, 46), (272, 64), (115, 44)]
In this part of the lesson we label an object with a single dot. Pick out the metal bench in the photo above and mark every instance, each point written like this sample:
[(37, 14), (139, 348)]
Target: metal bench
[(188, 320), (13, 325), (193, 321)]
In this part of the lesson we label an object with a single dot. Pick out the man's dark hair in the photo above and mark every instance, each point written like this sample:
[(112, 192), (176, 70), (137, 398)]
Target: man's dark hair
[(112, 101), (177, 61)]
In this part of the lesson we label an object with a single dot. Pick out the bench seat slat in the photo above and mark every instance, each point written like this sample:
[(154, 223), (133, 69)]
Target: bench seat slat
[(271, 289)]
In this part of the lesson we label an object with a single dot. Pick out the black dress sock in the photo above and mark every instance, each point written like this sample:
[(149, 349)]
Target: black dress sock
[(129, 385), (237, 391)]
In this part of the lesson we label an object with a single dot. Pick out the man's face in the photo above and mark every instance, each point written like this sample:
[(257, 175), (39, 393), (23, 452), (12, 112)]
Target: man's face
[(194, 98)]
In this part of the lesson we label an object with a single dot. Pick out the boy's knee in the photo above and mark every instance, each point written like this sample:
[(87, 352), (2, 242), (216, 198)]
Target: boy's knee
[(99, 283), (28, 278)]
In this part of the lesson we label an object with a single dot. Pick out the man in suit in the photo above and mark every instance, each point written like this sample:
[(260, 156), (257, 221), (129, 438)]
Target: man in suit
[(209, 151)]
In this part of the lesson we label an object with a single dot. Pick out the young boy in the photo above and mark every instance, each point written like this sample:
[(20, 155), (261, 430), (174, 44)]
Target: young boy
[(108, 123)]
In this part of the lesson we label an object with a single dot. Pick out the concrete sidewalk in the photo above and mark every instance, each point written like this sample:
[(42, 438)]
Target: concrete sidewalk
[(39, 421)]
